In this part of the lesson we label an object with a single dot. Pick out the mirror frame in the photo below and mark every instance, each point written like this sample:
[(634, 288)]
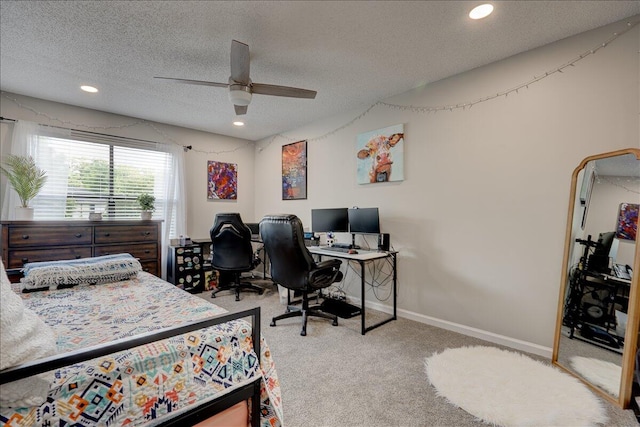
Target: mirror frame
[(631, 334)]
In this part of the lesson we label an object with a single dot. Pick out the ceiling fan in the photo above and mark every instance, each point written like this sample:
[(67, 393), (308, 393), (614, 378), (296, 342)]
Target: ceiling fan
[(240, 85)]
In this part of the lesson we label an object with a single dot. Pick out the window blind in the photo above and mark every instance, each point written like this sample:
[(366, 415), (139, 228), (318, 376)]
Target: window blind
[(90, 172)]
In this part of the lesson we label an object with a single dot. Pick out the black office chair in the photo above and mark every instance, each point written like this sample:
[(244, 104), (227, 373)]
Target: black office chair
[(293, 266), (232, 252)]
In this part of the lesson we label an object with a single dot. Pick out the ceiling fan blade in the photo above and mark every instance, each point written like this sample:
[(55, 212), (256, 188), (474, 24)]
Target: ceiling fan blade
[(291, 92), (194, 82), (239, 62), (240, 109)]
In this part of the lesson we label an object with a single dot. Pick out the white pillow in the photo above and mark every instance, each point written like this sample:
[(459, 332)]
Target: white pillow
[(23, 337)]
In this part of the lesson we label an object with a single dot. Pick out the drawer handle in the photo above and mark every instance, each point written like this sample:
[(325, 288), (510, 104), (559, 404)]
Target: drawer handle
[(146, 233), (78, 235), (147, 251), (78, 256), (25, 236), (25, 260), (107, 234)]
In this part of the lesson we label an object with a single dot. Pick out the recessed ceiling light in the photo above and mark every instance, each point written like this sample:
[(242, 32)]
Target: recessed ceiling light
[(481, 11), (238, 123), (89, 89)]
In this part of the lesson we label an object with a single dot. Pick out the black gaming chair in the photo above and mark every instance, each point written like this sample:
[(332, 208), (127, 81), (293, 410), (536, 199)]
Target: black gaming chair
[(232, 252), (293, 267)]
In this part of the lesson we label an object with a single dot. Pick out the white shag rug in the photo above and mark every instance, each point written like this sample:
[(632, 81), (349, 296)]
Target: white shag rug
[(605, 375), (506, 388)]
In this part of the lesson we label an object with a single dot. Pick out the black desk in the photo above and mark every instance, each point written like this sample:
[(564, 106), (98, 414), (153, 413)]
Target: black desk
[(584, 316), (363, 257)]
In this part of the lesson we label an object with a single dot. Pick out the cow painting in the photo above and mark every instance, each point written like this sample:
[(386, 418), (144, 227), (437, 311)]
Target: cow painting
[(378, 156)]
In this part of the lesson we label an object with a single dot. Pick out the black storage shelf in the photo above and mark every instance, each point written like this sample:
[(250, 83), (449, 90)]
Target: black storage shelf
[(185, 267)]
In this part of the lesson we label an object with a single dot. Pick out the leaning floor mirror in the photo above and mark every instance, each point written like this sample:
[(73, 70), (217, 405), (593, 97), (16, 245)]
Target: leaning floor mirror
[(596, 337)]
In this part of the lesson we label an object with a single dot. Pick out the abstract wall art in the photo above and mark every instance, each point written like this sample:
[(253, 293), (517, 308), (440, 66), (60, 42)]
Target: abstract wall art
[(627, 226), (222, 180), (294, 171)]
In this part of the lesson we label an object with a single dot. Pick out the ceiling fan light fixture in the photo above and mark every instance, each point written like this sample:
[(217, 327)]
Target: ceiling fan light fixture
[(240, 95)]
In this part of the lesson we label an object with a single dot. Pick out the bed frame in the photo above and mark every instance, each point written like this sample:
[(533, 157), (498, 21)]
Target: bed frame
[(191, 417)]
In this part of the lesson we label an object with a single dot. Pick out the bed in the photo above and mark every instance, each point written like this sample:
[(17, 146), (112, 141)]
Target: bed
[(142, 352)]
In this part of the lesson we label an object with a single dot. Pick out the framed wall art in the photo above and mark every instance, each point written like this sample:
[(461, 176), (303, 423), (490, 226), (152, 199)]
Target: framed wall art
[(222, 180), (380, 155), (627, 225), (294, 171)]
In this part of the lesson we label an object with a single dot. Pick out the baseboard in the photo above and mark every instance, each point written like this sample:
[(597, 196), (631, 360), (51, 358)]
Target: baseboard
[(514, 343)]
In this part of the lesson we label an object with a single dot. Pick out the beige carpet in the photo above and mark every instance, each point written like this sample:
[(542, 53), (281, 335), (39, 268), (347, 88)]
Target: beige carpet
[(335, 377)]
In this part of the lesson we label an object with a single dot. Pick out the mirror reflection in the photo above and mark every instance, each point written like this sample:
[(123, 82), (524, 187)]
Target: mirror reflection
[(598, 282)]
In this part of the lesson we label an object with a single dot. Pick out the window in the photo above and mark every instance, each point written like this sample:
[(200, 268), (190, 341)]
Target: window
[(97, 173)]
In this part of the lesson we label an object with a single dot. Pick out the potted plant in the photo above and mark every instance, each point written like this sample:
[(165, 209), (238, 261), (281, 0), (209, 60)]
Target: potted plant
[(147, 204), (26, 179)]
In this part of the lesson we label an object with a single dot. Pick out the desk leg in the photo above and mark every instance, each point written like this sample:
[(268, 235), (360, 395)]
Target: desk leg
[(395, 282), (362, 310), (395, 288)]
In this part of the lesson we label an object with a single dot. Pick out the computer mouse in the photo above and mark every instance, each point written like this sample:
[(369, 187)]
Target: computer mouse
[(352, 251)]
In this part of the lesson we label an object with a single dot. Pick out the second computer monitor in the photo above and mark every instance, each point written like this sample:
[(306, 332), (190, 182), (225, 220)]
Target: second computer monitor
[(364, 221), (326, 220)]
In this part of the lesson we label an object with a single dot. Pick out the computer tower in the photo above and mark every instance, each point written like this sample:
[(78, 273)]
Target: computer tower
[(383, 242)]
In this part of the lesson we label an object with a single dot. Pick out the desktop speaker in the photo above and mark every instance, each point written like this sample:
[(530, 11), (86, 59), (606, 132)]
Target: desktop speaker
[(383, 242)]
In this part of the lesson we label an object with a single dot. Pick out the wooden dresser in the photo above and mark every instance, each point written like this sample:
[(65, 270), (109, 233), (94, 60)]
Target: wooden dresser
[(33, 241)]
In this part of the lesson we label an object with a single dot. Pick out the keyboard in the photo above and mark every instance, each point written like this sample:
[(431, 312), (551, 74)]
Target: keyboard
[(334, 249), (342, 245)]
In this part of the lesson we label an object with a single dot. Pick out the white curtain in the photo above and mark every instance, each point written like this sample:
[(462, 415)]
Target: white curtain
[(24, 142), (174, 208)]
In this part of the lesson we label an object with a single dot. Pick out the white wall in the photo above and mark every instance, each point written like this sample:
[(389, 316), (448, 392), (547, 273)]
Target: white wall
[(200, 211), (480, 218)]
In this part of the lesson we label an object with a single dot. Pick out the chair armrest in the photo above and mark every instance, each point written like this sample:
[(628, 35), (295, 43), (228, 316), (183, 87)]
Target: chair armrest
[(325, 273), (329, 263)]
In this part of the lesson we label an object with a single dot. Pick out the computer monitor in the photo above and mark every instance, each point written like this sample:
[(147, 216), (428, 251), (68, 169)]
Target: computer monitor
[(599, 260), (326, 220), (364, 221)]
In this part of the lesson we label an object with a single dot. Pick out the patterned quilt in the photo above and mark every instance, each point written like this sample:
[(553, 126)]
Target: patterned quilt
[(140, 385)]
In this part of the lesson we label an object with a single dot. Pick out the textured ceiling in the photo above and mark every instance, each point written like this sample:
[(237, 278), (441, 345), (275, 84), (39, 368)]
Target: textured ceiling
[(353, 53)]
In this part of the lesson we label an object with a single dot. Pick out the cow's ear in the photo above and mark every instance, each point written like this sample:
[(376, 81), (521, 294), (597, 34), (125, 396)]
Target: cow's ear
[(363, 154)]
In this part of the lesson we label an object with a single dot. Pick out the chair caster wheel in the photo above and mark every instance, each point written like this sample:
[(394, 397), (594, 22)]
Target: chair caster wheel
[(303, 333), (237, 298), (335, 322), (273, 323), (261, 291), (213, 296)]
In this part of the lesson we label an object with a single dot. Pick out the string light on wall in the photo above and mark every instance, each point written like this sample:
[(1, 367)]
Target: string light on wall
[(468, 105), (70, 124), (620, 182), (412, 108)]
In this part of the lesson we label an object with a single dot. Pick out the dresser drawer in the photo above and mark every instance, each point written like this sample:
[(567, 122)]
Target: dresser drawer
[(120, 234), (49, 236), (17, 258), (150, 267), (142, 251)]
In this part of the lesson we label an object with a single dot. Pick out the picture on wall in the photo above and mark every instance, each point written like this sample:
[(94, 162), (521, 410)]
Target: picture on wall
[(294, 171), (627, 227), (380, 155), (222, 181)]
